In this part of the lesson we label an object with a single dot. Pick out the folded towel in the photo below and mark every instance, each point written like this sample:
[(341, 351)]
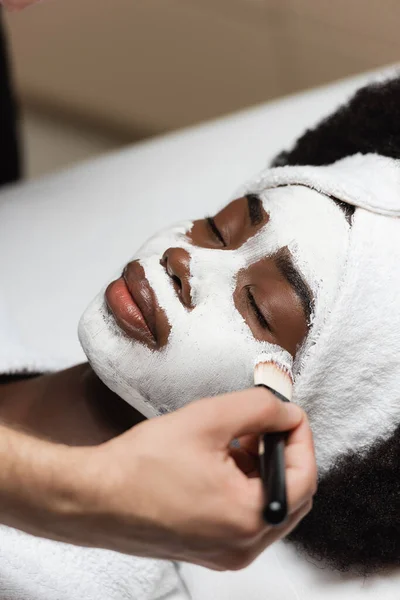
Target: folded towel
[(347, 375), (368, 181), (37, 569), (347, 378)]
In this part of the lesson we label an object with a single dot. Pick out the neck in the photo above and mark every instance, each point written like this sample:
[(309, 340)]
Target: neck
[(72, 407)]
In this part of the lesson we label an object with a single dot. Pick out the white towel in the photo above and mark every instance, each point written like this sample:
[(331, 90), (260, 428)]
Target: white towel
[(368, 181), (348, 379), (38, 569)]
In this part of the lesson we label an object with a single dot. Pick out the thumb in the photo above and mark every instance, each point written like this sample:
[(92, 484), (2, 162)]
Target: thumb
[(252, 411)]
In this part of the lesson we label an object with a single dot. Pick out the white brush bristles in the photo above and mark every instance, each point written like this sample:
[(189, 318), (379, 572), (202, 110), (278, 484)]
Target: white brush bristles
[(276, 375)]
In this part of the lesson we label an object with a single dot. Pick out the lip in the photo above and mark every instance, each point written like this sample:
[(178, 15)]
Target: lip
[(131, 300)]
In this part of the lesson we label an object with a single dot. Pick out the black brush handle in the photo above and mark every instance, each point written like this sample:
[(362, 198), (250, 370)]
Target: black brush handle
[(272, 470), (274, 480)]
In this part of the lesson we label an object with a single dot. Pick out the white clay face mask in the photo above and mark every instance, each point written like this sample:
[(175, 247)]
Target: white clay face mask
[(211, 349)]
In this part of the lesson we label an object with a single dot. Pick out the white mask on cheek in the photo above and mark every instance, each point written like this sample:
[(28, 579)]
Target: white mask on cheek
[(210, 349)]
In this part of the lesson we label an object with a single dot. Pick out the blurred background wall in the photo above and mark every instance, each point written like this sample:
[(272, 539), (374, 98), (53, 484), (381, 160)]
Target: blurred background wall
[(93, 75)]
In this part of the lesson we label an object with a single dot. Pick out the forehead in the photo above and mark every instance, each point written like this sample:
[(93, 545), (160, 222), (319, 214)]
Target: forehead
[(301, 201), (310, 225)]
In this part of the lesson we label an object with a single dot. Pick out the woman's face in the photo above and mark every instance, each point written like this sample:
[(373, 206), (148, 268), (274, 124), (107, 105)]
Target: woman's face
[(201, 301)]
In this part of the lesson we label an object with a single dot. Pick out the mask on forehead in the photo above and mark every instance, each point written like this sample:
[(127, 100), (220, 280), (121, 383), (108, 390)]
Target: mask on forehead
[(210, 348), (353, 347)]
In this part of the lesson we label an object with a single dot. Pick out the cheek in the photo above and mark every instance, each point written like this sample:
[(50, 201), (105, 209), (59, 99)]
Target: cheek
[(206, 355), (210, 349)]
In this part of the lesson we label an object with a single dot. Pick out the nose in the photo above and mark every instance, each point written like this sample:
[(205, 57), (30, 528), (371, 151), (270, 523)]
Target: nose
[(176, 262)]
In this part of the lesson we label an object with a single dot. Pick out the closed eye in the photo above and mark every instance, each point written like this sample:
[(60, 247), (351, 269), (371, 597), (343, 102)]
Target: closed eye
[(260, 317), (215, 231)]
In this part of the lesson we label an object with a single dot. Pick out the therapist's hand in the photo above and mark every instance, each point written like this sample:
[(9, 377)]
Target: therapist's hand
[(171, 487)]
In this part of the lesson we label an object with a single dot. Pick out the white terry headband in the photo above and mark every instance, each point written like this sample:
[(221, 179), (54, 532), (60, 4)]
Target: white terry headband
[(349, 381), (368, 181)]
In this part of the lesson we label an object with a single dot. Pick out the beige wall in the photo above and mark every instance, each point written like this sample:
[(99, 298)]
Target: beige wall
[(144, 66)]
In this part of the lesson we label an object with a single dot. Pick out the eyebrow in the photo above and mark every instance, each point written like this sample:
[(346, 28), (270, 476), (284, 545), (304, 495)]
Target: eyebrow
[(287, 269), (255, 208)]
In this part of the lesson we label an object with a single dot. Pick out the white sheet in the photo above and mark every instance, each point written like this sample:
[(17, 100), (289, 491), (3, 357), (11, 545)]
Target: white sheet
[(37, 569), (280, 573)]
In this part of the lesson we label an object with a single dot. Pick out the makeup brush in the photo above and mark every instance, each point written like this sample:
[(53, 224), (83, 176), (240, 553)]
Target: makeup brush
[(277, 378)]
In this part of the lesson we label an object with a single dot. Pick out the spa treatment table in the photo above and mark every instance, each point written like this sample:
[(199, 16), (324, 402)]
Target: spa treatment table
[(63, 236)]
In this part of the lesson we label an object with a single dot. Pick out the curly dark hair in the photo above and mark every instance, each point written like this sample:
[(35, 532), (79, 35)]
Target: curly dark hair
[(355, 520), (369, 122)]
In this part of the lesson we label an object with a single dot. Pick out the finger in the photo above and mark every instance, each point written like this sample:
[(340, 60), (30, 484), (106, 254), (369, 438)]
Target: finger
[(299, 440), (298, 436), (246, 462), (301, 467), (250, 443), (300, 464), (300, 471), (252, 411), (273, 534), (269, 536)]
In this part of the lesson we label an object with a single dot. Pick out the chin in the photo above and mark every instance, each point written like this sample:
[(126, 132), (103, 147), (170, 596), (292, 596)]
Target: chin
[(107, 348), (193, 364)]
